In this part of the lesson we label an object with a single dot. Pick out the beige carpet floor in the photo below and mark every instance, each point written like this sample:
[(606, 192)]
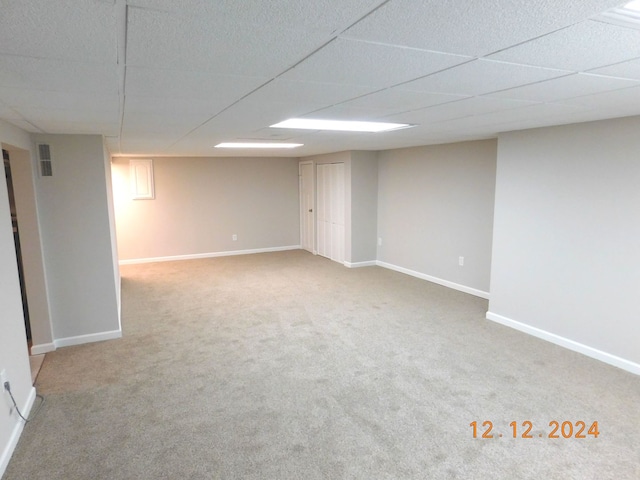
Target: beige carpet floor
[(290, 366)]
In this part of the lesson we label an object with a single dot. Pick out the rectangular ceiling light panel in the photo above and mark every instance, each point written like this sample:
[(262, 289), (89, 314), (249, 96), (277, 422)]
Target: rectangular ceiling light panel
[(257, 145), (339, 125)]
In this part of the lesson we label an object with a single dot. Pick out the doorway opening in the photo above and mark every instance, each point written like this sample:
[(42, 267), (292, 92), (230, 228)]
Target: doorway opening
[(16, 239)]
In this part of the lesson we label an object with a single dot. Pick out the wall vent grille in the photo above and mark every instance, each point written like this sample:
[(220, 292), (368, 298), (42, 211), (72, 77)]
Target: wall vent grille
[(44, 156)]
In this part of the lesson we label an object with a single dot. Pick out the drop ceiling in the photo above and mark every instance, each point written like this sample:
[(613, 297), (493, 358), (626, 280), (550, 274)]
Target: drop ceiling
[(167, 78)]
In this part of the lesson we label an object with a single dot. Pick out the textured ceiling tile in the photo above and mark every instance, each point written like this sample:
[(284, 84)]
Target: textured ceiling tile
[(361, 63), (482, 76), (399, 99), (630, 69), (565, 87), (625, 100), (329, 15), (189, 84), (458, 109), (473, 28), (163, 40), (63, 29), (347, 112), (60, 125), (57, 75), (20, 98), (580, 47), (40, 115), (289, 91)]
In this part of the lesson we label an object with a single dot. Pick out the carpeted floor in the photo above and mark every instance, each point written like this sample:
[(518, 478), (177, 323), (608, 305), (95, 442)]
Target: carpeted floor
[(290, 366)]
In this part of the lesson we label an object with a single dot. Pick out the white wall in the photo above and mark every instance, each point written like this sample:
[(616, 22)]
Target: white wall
[(201, 202), (75, 230), (566, 256), (435, 204), (13, 343)]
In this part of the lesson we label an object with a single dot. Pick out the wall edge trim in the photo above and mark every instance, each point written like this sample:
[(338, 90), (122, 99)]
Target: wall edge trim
[(439, 281), (9, 448), (228, 253), (42, 348), (569, 344), (371, 263), (90, 338)]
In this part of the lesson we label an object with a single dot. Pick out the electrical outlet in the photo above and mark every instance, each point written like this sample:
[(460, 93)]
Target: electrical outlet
[(379, 241), (3, 378), (234, 237), (461, 261)]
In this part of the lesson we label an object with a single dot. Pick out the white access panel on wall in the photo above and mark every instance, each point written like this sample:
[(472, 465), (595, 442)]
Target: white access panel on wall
[(331, 214), (141, 179)]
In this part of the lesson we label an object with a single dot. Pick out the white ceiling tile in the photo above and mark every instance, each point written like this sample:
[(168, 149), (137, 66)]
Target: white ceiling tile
[(398, 99), (626, 101), (482, 76), (361, 63), (40, 115), (25, 125), (62, 29), (188, 84), (348, 112), (580, 47), (458, 109), (291, 91), (53, 123), (180, 122), (565, 87), (163, 40), (168, 107), (630, 69), (19, 98), (328, 15), (57, 75), (473, 28)]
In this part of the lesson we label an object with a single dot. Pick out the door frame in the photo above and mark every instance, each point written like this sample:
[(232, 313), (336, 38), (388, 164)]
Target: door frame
[(303, 217)]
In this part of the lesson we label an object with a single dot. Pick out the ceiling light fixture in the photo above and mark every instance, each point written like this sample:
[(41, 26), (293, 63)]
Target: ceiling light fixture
[(627, 15), (339, 125), (257, 145)]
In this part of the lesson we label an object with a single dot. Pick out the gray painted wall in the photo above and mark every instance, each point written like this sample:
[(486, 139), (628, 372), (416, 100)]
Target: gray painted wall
[(567, 230), (201, 202), (75, 230), (364, 206), (435, 204)]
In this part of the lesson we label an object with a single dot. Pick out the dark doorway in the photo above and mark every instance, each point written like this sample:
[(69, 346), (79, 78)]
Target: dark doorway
[(16, 239)]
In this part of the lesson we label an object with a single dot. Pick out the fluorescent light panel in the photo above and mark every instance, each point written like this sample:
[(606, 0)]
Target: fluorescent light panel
[(635, 6), (627, 15), (257, 145), (339, 125)]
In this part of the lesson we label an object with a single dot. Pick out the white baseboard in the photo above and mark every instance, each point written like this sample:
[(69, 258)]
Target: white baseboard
[(195, 256), (566, 343), (439, 281), (8, 449), (372, 263), (93, 337), (42, 348)]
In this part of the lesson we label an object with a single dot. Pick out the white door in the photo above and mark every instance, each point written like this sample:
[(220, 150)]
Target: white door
[(306, 206), (331, 215)]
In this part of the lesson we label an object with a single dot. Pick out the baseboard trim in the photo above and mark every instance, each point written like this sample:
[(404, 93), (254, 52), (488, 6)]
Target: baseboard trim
[(9, 448), (173, 258), (93, 337), (567, 343), (360, 264), (439, 281), (42, 348)]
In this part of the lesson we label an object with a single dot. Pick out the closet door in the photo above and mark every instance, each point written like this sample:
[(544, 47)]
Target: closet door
[(331, 215)]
